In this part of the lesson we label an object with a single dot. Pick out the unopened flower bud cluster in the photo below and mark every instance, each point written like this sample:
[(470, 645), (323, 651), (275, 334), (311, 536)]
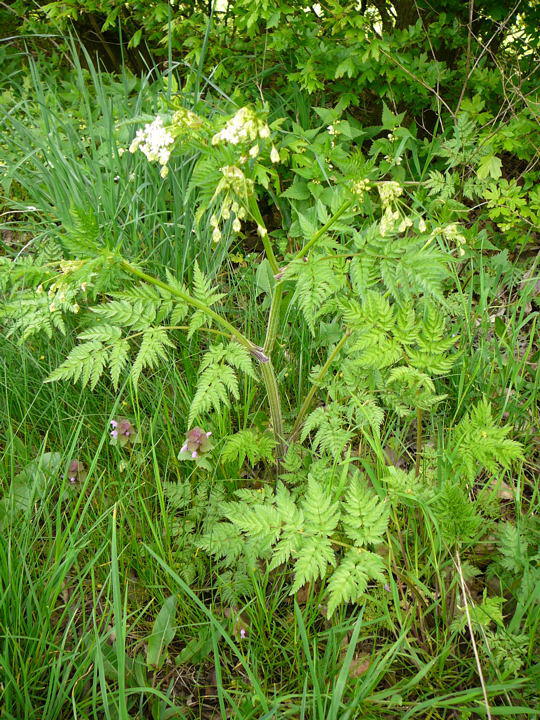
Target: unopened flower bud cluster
[(359, 188), (184, 120), (234, 210), (234, 187), (452, 234), (389, 221), (389, 191), (60, 296)]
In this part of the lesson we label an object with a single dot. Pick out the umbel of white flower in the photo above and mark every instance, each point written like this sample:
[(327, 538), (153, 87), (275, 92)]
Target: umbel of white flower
[(154, 140), (243, 127)]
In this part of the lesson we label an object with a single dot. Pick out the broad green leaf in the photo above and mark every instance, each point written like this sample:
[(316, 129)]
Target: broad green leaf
[(490, 166), (163, 633)]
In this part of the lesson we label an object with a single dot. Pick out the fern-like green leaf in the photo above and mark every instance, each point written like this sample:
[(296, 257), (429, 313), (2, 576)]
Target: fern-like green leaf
[(317, 280), (203, 291), (151, 351), (321, 513), (248, 444), (215, 384), (478, 443), (137, 315), (346, 583), (332, 435), (223, 540), (84, 362), (365, 517), (312, 560)]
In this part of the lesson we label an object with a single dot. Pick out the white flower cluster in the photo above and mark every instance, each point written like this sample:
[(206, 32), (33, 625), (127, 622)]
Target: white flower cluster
[(243, 127), (389, 191), (154, 140)]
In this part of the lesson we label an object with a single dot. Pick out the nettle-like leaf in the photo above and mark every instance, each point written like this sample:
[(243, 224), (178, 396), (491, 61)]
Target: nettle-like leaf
[(218, 379)]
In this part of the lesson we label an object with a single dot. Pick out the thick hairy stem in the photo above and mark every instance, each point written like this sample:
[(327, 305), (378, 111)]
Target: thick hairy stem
[(309, 397), (273, 319), (272, 390), (267, 369)]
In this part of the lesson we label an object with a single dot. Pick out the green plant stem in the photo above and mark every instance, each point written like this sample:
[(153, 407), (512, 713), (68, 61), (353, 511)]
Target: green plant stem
[(273, 320), (268, 249), (419, 441), (189, 300), (267, 369), (270, 381), (309, 397), (320, 232)]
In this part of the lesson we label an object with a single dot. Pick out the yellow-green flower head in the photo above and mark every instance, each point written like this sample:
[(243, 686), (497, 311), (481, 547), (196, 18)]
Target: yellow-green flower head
[(185, 119), (389, 191), (235, 181)]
